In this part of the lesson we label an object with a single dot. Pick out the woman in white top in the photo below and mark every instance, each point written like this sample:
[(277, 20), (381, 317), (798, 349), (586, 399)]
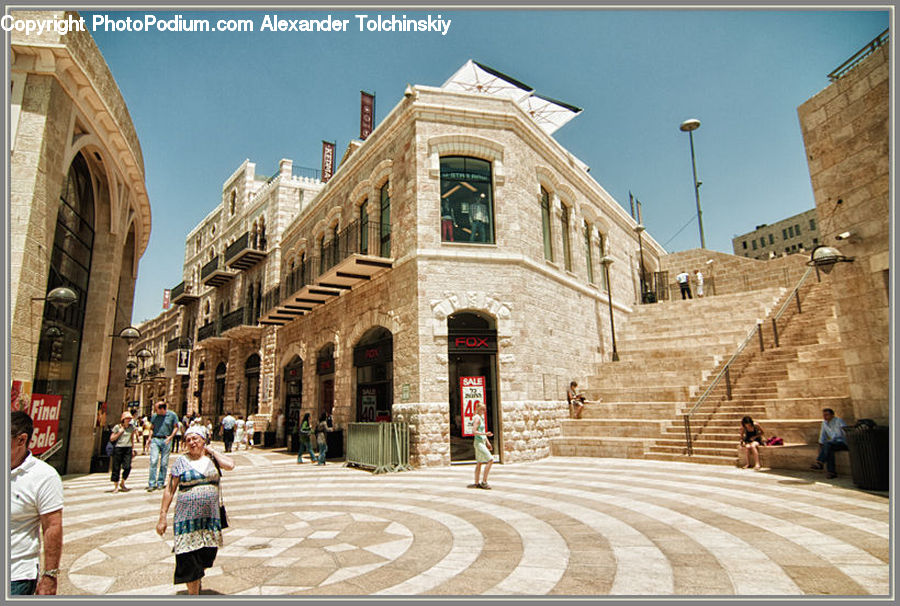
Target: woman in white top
[(239, 432)]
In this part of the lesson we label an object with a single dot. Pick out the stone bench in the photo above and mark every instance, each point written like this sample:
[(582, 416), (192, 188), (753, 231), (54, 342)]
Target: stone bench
[(799, 457)]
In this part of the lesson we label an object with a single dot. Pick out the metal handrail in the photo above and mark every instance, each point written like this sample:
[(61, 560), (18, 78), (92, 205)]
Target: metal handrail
[(726, 369), (861, 54)]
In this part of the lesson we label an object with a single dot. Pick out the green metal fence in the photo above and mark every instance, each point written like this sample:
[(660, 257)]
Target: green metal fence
[(383, 447)]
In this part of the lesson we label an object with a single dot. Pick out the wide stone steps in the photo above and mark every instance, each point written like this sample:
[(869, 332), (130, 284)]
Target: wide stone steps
[(614, 428), (663, 393)]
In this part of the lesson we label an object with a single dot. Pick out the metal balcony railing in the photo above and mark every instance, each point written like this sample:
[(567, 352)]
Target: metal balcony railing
[(861, 54), (353, 239), (207, 331), (177, 291), (178, 343), (209, 268), (246, 251), (238, 317)]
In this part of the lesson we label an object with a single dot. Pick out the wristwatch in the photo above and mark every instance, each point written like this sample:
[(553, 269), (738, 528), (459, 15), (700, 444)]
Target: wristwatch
[(52, 572)]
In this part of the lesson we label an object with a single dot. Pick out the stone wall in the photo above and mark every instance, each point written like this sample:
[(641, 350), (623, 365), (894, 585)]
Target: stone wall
[(846, 130)]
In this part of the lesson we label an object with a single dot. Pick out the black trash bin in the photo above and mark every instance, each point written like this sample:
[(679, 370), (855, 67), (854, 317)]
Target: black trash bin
[(869, 455)]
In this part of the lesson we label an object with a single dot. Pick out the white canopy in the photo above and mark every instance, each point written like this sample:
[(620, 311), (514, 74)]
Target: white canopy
[(475, 77)]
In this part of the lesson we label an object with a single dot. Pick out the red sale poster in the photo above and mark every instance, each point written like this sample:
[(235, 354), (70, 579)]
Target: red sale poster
[(471, 393), (45, 414)]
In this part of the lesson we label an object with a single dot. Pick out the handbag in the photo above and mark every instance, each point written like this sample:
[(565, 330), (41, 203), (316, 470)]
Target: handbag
[(223, 516)]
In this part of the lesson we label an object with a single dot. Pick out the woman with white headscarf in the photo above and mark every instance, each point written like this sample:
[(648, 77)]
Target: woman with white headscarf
[(197, 525)]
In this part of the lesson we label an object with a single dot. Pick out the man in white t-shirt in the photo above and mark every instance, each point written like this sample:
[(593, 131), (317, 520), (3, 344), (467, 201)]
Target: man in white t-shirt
[(36, 501), (684, 282), (698, 278)]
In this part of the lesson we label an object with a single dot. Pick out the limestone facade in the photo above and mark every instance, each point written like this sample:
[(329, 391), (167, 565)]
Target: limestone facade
[(796, 234), (69, 121), (846, 131)]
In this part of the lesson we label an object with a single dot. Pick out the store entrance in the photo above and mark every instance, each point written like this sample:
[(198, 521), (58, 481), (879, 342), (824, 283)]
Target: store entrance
[(373, 360), (472, 349)]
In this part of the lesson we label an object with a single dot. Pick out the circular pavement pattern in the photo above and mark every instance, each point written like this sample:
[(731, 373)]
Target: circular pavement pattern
[(561, 526)]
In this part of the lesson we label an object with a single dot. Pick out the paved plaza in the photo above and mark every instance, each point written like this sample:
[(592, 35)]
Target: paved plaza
[(560, 526)]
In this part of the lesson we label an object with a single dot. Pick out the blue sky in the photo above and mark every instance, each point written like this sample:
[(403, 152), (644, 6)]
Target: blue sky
[(203, 102)]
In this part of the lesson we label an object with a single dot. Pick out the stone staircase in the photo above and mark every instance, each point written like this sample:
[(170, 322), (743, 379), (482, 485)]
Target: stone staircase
[(667, 350), (783, 389)]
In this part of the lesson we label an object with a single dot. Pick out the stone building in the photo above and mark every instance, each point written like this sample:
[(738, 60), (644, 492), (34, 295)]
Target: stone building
[(846, 130), (457, 249), (796, 234), (147, 376), (80, 219), (230, 257)]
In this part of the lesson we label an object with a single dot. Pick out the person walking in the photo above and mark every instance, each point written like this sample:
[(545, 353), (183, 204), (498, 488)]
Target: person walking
[(305, 444), (279, 428), (321, 434), (248, 433), (228, 423), (239, 432), (831, 439), (483, 447), (163, 423), (36, 507), (698, 277), (197, 525), (684, 282), (176, 438), (146, 430), (123, 437)]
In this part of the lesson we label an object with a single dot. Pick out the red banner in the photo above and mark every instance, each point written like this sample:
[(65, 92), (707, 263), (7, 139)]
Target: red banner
[(45, 414), (167, 295), (327, 161), (366, 114)]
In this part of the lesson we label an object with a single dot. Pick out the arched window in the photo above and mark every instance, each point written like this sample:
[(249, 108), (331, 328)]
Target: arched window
[(545, 224), (467, 201), (565, 220), (364, 227), (385, 220)]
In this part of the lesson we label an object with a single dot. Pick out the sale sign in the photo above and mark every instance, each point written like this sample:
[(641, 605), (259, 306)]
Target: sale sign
[(45, 414), (471, 393), (368, 405)]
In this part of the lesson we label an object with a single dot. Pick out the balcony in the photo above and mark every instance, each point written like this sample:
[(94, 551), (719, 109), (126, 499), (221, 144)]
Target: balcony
[(183, 295), (213, 275), (344, 263), (239, 323), (207, 331), (347, 262), (178, 343), (245, 252)]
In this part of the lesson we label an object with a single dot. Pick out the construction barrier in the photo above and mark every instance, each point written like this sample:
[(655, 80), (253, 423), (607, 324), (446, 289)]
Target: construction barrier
[(383, 447)]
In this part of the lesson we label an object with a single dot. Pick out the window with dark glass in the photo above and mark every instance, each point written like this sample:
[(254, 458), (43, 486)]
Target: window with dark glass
[(791, 231), (335, 246), (812, 224), (564, 223), (754, 244), (587, 252), (467, 202), (545, 224), (745, 244), (385, 221), (364, 227), (784, 234), (771, 239)]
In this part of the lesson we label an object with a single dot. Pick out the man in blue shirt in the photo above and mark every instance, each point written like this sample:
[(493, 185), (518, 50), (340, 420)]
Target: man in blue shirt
[(228, 423), (163, 422), (831, 439)]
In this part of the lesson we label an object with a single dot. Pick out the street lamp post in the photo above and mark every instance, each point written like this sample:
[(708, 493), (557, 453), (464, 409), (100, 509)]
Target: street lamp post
[(640, 230), (689, 126), (606, 261)]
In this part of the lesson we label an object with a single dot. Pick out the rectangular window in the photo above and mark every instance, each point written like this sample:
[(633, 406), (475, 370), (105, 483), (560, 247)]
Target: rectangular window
[(771, 239), (754, 244), (745, 244), (364, 227), (545, 224), (587, 252), (385, 221), (467, 200), (784, 234), (791, 232), (564, 222), (796, 230), (815, 241), (812, 225), (762, 242)]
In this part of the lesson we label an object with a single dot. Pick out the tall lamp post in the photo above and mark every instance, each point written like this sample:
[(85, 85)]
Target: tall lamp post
[(689, 126), (640, 230), (606, 261)]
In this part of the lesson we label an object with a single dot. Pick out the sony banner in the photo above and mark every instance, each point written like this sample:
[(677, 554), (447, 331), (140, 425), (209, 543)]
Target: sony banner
[(327, 160), (366, 114)]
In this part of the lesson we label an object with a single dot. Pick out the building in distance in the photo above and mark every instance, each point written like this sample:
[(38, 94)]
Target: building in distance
[(799, 233)]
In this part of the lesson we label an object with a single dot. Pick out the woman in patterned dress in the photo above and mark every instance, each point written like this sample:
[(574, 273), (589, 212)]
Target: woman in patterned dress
[(197, 526), (483, 447)]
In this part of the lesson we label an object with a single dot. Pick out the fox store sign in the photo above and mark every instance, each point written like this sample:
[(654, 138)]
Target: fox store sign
[(473, 343)]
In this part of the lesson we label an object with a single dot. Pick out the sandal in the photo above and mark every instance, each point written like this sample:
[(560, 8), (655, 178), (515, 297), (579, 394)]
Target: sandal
[(474, 486), (484, 485)]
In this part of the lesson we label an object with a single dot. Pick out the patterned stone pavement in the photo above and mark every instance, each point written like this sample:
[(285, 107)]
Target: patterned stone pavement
[(561, 526)]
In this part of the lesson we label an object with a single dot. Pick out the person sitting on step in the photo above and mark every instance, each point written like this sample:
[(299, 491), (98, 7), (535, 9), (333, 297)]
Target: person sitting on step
[(751, 440)]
